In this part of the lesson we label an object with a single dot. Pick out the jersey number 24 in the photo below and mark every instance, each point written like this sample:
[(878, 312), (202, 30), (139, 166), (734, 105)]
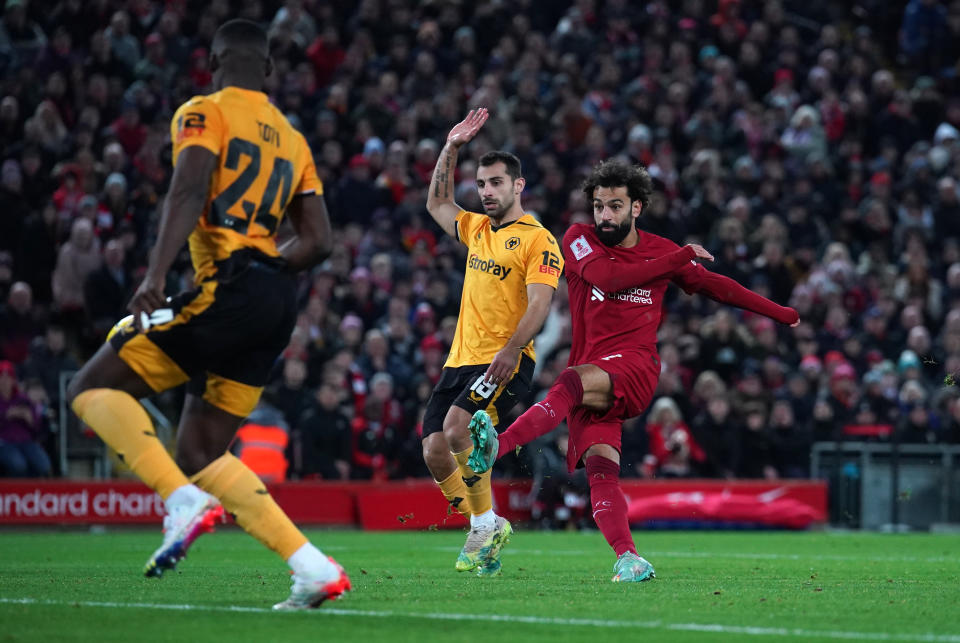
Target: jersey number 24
[(281, 180)]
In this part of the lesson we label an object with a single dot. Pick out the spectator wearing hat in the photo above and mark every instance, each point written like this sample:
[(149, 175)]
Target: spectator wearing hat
[(917, 423), (433, 353), (21, 454), (842, 396), (351, 332), (909, 366), (360, 297)]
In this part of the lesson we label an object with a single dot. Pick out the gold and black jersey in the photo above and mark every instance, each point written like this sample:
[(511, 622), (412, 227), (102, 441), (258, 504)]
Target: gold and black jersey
[(264, 163), (501, 262)]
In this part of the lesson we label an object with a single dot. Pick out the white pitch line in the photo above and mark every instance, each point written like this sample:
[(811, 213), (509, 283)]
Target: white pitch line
[(714, 628), (701, 554)]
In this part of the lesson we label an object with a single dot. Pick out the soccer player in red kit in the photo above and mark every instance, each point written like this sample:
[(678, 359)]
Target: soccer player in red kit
[(616, 277)]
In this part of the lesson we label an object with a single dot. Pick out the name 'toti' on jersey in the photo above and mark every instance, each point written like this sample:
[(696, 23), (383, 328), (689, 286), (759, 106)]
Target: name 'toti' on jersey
[(263, 164)]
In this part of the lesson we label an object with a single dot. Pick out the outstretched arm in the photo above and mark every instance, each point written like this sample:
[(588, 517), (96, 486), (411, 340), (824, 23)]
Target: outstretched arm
[(613, 276), (727, 291), (440, 202), (181, 210)]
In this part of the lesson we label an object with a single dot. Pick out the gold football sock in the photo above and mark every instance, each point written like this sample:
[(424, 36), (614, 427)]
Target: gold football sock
[(124, 425), (477, 484), (455, 492), (244, 495)]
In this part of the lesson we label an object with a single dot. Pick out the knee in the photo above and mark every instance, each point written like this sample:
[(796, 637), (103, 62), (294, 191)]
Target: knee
[(454, 428), (435, 450)]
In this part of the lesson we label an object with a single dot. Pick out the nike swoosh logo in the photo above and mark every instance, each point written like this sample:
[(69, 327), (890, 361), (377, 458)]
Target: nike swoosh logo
[(598, 511)]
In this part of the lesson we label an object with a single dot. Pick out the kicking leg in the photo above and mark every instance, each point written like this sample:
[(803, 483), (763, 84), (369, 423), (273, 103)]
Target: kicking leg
[(586, 385)]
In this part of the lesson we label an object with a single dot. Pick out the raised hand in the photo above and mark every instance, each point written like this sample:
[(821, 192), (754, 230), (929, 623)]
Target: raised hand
[(465, 130), (701, 252)]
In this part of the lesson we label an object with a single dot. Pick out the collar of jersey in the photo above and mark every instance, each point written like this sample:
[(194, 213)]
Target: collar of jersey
[(249, 93), (497, 228)]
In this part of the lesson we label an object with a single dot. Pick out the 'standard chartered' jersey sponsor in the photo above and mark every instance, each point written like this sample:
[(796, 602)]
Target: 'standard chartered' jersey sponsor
[(632, 295), (489, 266)]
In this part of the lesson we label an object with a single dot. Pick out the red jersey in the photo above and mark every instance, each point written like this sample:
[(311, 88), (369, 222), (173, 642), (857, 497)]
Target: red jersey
[(616, 293)]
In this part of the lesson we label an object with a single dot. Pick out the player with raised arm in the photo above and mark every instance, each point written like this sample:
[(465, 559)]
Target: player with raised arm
[(239, 167), (512, 271), (617, 277)]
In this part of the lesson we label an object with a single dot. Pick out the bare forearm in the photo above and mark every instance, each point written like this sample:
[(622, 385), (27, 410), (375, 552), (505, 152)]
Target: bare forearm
[(442, 183), (181, 210), (530, 324), (440, 203), (301, 253)]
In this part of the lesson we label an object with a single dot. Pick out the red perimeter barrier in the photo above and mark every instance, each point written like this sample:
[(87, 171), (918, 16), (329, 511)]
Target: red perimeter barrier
[(413, 504)]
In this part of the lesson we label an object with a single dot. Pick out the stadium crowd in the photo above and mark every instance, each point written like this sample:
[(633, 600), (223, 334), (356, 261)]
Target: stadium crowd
[(812, 147)]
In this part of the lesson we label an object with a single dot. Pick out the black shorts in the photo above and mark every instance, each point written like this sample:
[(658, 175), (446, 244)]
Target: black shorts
[(464, 387), (222, 337)]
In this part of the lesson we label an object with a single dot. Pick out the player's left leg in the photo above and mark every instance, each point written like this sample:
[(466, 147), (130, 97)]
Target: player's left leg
[(602, 462), (205, 433), (488, 532)]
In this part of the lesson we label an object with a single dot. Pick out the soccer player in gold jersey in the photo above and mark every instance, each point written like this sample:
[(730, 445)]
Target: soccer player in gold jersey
[(512, 270), (239, 168)]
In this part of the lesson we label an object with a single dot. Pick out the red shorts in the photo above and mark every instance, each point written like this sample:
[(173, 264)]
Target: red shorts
[(634, 376)]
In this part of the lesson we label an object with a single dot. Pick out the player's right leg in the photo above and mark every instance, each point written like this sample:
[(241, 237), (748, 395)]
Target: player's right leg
[(104, 394), (206, 429)]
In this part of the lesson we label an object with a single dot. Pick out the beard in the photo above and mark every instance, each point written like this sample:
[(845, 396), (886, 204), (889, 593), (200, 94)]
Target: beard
[(611, 234), (501, 211)]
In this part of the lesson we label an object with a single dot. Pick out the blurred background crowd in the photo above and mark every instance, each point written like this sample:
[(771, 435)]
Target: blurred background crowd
[(813, 147)]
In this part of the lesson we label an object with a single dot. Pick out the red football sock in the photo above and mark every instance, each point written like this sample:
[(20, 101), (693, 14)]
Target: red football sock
[(609, 505), (543, 417)]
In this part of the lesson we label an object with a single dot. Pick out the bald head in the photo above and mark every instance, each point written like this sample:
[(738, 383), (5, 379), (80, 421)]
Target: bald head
[(240, 54)]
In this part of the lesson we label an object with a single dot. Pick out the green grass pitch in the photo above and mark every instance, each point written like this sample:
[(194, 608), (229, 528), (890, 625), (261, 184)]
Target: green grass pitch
[(711, 586)]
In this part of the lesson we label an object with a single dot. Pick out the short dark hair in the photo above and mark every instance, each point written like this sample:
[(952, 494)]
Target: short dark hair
[(614, 174), (242, 35), (508, 159)]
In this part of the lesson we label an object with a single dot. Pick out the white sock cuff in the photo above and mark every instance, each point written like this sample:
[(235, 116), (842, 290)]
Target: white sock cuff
[(486, 519), (310, 562)]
